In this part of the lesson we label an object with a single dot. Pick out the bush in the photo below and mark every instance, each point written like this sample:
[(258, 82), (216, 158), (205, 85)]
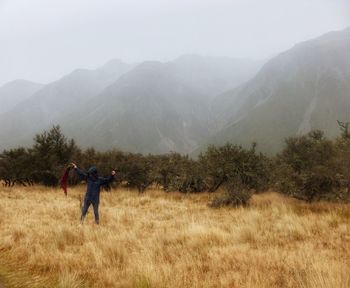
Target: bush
[(305, 168), (231, 163), (233, 196), (136, 171)]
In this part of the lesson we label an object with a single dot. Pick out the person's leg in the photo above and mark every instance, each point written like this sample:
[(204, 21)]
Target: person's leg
[(84, 209), (97, 218)]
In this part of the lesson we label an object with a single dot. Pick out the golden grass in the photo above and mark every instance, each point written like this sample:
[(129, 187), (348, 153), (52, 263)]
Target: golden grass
[(170, 240)]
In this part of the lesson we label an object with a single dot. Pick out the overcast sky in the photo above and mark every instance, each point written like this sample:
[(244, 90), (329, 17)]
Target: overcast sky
[(41, 40)]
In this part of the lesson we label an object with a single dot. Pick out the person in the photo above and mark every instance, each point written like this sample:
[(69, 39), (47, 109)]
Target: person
[(92, 195)]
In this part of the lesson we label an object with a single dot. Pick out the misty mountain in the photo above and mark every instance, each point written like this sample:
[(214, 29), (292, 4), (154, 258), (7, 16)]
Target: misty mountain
[(304, 88), (15, 92), (146, 110), (212, 75), (56, 100), (154, 107), (180, 105), (157, 107)]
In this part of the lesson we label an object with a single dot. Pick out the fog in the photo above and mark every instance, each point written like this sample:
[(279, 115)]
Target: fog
[(42, 40)]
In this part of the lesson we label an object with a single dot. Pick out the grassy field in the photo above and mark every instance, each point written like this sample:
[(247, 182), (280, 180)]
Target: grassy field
[(170, 240)]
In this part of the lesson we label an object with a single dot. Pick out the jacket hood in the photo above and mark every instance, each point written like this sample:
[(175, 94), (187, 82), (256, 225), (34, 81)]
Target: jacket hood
[(92, 171)]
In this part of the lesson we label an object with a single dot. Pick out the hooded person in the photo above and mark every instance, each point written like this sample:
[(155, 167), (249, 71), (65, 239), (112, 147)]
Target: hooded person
[(92, 195)]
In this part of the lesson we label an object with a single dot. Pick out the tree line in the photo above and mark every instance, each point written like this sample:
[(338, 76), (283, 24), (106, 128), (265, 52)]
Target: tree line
[(309, 167)]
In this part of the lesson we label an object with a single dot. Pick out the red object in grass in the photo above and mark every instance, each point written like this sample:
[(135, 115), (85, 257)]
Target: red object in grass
[(64, 180)]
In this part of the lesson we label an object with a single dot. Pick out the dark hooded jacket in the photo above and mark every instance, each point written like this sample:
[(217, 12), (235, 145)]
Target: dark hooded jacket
[(94, 183)]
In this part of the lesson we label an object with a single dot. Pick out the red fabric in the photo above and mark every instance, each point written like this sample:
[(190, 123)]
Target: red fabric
[(64, 180)]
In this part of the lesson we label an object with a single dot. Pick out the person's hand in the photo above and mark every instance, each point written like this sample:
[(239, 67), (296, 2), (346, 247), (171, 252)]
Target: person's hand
[(113, 173), (73, 165)]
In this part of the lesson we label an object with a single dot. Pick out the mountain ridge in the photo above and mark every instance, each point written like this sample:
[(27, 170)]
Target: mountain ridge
[(16, 91), (190, 102), (304, 88), (180, 108)]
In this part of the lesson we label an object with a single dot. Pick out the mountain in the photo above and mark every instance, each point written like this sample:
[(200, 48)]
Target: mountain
[(146, 110), (153, 107), (212, 75), (304, 88), (157, 107), (15, 92), (56, 100), (193, 101)]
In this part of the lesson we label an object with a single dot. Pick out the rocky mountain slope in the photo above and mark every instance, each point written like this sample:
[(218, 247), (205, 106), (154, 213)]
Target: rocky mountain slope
[(55, 100), (304, 88), (151, 107)]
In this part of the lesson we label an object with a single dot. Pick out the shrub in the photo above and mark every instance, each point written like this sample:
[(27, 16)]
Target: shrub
[(234, 195), (305, 168), (231, 163)]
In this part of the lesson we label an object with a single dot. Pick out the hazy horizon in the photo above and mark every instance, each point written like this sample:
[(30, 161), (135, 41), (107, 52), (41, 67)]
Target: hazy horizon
[(44, 40)]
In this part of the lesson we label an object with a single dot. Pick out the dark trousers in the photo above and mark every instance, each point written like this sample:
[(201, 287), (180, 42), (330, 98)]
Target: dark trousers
[(85, 208)]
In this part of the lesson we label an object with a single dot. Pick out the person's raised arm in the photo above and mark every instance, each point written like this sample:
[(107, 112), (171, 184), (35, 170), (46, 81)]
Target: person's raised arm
[(105, 181), (82, 175)]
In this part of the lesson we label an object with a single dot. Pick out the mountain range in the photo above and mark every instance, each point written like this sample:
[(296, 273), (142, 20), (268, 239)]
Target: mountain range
[(304, 88), (185, 104), (150, 107)]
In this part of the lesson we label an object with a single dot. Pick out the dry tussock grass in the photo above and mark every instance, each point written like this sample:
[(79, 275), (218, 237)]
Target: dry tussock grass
[(171, 240)]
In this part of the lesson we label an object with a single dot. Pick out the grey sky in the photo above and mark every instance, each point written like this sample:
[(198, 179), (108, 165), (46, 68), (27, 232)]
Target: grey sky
[(41, 40)]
